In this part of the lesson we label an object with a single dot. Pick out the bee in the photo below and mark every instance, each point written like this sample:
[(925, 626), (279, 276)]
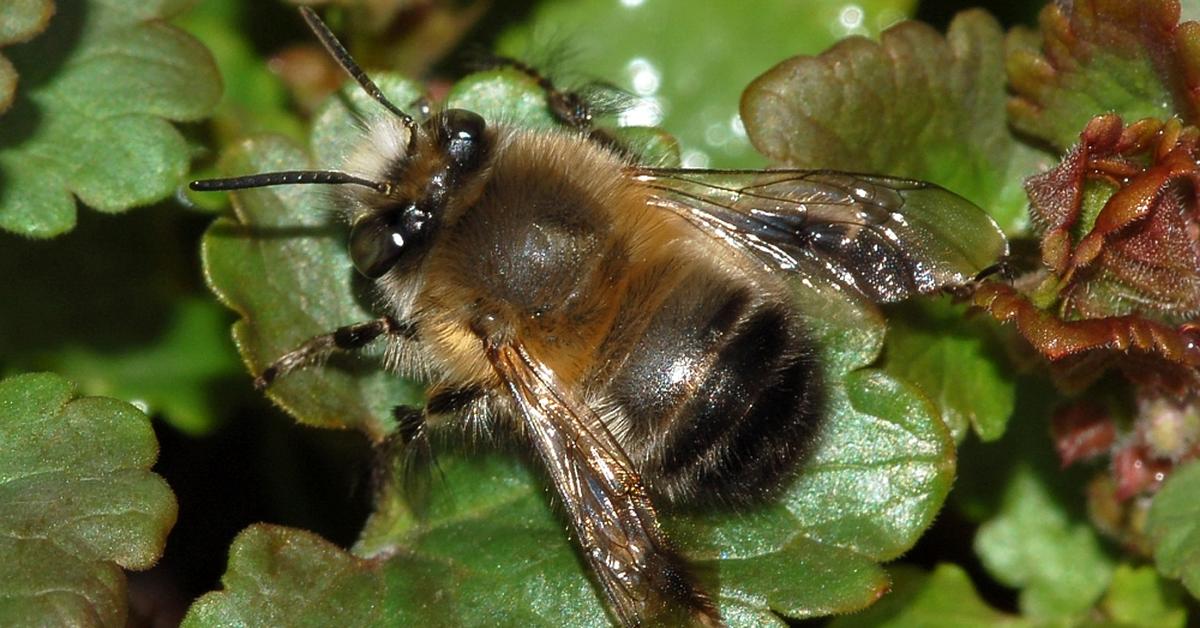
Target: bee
[(635, 326)]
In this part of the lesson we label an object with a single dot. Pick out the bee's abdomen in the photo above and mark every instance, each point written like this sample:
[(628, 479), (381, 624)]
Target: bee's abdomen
[(721, 395)]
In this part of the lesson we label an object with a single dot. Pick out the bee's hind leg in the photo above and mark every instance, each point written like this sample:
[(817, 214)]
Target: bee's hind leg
[(317, 349), (569, 108), (572, 108)]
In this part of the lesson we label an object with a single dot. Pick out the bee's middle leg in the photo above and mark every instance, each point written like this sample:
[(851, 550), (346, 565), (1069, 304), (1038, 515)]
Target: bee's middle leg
[(407, 449)]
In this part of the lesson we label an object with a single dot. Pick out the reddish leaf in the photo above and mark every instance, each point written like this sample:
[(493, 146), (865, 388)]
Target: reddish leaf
[(1140, 253), (1131, 57)]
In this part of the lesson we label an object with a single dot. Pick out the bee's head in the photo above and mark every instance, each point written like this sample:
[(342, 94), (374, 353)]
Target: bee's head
[(403, 206), (399, 221)]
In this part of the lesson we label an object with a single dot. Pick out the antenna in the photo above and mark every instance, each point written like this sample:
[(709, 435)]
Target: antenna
[(288, 177), (339, 53), (291, 177)]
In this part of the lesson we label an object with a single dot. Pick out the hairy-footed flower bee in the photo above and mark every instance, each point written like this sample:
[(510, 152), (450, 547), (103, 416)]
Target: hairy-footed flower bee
[(634, 325)]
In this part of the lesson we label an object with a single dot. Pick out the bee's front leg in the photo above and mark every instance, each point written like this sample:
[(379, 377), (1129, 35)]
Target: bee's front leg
[(317, 349)]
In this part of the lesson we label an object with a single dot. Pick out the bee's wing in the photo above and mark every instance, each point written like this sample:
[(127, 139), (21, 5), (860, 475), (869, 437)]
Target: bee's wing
[(609, 511), (886, 237)]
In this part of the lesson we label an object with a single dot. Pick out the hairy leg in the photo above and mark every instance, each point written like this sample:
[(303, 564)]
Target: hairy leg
[(317, 349)]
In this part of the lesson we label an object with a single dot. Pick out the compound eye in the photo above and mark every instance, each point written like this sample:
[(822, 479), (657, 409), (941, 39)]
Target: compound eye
[(462, 136), (375, 245)]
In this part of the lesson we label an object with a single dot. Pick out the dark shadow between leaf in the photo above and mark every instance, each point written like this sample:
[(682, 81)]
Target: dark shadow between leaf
[(92, 288), (939, 12), (286, 27), (260, 466), (985, 468)]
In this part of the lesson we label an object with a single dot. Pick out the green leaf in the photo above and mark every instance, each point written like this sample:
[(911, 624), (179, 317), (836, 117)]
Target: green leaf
[(1101, 56), (688, 61), (308, 573), (79, 503), (944, 597), (916, 104), (20, 20), (957, 362), (1173, 527), (503, 95), (1139, 597), (1036, 544), (101, 85), (488, 543)]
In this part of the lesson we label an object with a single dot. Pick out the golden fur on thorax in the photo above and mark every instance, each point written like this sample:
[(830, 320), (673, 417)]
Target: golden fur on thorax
[(618, 233)]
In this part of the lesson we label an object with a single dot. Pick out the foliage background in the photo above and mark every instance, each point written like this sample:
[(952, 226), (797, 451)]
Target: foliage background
[(116, 302)]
